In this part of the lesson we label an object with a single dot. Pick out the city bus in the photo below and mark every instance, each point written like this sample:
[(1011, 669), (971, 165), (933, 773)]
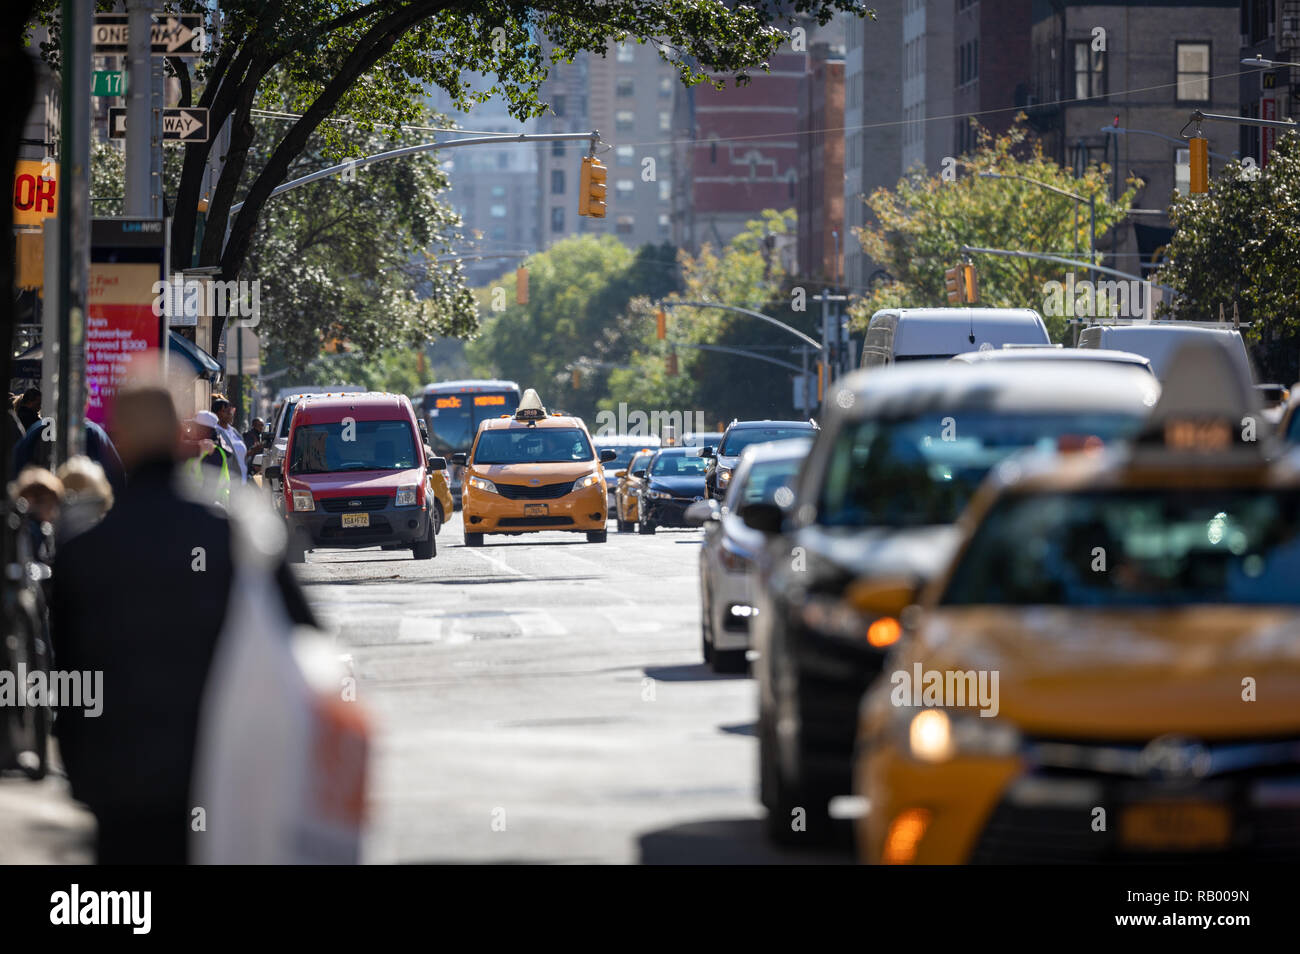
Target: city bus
[(453, 411)]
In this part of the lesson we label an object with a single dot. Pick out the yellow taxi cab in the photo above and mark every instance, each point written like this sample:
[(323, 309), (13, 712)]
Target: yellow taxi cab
[(627, 492), (1109, 668), (532, 471)]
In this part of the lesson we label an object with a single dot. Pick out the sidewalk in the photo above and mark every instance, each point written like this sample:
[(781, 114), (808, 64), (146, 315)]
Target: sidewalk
[(40, 824)]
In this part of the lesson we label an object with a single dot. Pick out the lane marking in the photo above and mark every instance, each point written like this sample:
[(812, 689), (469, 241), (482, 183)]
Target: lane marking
[(500, 564)]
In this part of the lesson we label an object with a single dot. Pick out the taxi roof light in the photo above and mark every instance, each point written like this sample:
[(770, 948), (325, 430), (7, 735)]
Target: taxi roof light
[(530, 407)]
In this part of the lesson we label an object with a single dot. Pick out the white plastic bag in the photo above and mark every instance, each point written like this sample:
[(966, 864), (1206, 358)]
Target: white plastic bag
[(280, 767)]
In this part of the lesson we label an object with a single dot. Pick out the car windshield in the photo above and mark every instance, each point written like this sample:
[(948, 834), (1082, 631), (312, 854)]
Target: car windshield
[(738, 438), (355, 445), (532, 445), (1135, 548), (765, 483), (625, 454), (921, 470), (677, 465)]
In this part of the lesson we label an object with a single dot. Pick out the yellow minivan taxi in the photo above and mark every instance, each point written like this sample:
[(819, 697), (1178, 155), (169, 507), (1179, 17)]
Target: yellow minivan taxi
[(1109, 669), (530, 472)]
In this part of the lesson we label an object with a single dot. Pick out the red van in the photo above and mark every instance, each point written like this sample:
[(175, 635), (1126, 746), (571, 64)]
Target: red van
[(355, 474)]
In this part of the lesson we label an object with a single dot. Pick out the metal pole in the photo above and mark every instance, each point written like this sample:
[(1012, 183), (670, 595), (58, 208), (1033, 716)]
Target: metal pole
[(157, 100), (74, 226), (826, 345), (139, 95), (1092, 238)]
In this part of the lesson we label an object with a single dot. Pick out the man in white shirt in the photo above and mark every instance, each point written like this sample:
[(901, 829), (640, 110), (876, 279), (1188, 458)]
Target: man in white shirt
[(225, 412)]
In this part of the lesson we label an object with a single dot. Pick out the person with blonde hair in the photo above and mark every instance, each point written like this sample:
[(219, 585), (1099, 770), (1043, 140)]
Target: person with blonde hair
[(87, 496)]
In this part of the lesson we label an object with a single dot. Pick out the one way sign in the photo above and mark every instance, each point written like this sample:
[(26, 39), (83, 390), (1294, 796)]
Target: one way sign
[(180, 124)]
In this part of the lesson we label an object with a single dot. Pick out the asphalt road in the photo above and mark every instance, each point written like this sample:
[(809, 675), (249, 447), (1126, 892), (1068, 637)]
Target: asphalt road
[(543, 699)]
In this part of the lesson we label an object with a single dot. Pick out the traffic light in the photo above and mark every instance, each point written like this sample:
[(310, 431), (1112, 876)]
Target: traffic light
[(521, 286), (1200, 165), (661, 324), (952, 281), (671, 365), (970, 285), (591, 188)]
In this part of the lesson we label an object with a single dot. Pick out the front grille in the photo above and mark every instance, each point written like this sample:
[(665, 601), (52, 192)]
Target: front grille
[(543, 492), (534, 521), (353, 504)]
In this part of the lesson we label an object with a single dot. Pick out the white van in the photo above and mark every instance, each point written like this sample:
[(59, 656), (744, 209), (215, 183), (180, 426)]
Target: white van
[(910, 334), (1158, 341)]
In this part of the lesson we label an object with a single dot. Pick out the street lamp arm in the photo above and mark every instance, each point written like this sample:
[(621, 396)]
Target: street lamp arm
[(743, 311), (1043, 185), (1043, 257), (421, 147)]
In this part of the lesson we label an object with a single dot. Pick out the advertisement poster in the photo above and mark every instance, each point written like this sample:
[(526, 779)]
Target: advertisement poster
[(127, 257)]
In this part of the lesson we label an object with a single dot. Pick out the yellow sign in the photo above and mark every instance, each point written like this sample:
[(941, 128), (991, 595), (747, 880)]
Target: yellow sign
[(31, 260), (36, 184)]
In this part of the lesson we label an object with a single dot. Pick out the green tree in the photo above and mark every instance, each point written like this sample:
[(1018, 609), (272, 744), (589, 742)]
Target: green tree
[(747, 272), (1235, 246), (921, 224), (577, 317)]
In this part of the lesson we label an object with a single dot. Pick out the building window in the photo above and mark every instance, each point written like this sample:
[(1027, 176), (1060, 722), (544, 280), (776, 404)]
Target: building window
[(557, 218), (625, 155), (625, 224), (665, 120), (1194, 72), (498, 234), (498, 192), (665, 190), (624, 188), (557, 182), (624, 120), (503, 160), (713, 151), (665, 86), (498, 211), (1182, 170), (626, 86), (557, 107), (664, 224), (557, 147), (626, 53), (1089, 71)]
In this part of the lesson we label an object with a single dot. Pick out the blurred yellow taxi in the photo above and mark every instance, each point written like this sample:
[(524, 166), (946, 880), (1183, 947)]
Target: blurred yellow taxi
[(533, 471), (1109, 669), (627, 492)]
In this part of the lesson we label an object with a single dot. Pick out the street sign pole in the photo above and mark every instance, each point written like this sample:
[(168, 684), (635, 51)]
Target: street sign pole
[(74, 227), (157, 101), (139, 85)]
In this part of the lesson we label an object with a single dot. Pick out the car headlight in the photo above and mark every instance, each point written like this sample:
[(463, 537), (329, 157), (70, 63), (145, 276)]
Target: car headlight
[(479, 483), (724, 476), (839, 618), (405, 497), (733, 558), (302, 501), (934, 736), (586, 481), (658, 495)]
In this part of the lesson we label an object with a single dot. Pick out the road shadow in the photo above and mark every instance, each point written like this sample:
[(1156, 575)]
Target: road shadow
[(690, 672), (735, 841)]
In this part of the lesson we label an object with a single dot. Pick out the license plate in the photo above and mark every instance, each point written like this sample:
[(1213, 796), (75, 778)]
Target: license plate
[(356, 520), (536, 510), (1175, 826)]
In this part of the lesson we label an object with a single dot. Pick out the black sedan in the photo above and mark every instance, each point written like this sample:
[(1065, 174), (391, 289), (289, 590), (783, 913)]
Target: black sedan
[(674, 481)]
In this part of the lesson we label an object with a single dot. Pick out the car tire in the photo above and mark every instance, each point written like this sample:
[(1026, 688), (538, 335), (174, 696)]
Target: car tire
[(427, 548), (729, 661), (623, 526), (706, 624), (783, 800), (597, 536), (644, 527), (473, 539), (441, 517)]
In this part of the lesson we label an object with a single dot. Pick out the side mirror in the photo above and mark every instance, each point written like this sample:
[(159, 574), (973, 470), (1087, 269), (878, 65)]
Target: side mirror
[(706, 451), (701, 512), (620, 473), (887, 596), (437, 463), (639, 473), (766, 518), (274, 472), (607, 455), (459, 459)]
